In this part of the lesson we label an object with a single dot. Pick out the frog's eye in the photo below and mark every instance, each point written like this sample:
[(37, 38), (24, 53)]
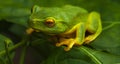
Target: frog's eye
[(49, 22)]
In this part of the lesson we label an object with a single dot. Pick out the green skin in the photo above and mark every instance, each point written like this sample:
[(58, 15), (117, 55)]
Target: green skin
[(69, 23)]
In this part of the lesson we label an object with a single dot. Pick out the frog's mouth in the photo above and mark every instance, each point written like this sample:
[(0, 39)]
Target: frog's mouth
[(50, 31)]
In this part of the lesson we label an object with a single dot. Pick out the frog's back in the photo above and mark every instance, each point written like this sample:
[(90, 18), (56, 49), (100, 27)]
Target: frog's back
[(74, 14), (73, 10)]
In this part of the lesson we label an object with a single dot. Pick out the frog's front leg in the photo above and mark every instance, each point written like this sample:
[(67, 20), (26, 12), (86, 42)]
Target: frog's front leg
[(79, 31), (93, 26)]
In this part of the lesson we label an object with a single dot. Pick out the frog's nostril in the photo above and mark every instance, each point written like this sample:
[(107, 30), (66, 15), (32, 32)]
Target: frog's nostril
[(49, 22)]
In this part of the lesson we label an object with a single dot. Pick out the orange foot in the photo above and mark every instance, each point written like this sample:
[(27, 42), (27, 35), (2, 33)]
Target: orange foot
[(68, 42)]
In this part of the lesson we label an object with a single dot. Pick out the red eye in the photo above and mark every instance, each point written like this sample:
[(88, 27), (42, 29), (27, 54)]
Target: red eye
[(49, 22)]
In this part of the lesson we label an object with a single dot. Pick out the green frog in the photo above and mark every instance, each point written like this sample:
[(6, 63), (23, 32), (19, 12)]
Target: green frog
[(71, 25)]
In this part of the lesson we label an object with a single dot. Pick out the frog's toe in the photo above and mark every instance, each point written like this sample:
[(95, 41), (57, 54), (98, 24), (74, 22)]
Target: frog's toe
[(67, 48), (89, 39), (62, 43), (58, 44)]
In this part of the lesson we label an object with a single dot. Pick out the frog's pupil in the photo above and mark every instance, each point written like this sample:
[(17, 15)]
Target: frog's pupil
[(49, 22)]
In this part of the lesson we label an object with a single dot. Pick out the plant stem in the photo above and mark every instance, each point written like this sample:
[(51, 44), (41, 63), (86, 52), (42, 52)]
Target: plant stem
[(7, 53), (22, 57), (3, 52)]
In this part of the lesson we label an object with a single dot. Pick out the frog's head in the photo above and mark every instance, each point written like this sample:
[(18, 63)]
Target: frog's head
[(47, 21)]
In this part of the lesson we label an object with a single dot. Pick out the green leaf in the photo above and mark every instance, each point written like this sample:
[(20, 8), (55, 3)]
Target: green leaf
[(109, 40), (100, 56), (15, 11), (18, 30), (59, 56), (81, 55), (15, 15), (42, 43)]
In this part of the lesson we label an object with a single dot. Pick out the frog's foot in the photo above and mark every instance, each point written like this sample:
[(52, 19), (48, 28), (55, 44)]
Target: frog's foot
[(69, 43)]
